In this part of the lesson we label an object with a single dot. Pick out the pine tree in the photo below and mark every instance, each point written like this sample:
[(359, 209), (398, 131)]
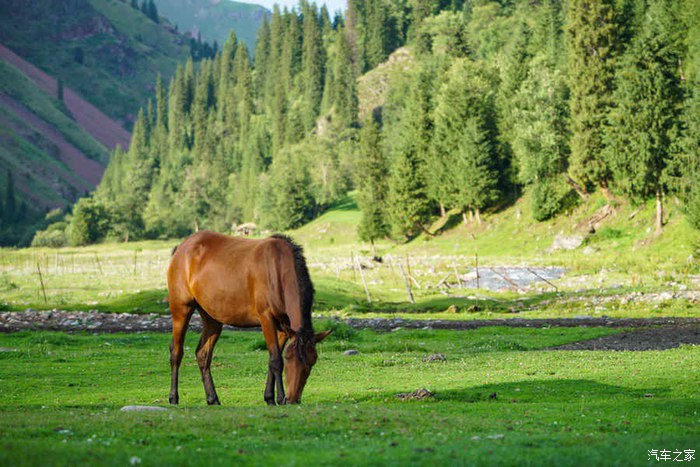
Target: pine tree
[(540, 136), (262, 60), (409, 207), (340, 94), (685, 170), (648, 99), (59, 89), (153, 12), (591, 37), (10, 203), (465, 138), (371, 181), (287, 198), (313, 59)]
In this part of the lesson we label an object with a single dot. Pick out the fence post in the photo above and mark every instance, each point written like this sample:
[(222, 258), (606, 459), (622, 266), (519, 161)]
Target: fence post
[(362, 276)]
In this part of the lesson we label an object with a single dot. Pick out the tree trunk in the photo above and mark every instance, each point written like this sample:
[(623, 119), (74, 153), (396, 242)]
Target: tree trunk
[(477, 214), (659, 211), (464, 218), (581, 191), (442, 210), (424, 229)]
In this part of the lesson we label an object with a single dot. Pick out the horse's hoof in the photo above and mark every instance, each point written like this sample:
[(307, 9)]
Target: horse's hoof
[(270, 402)]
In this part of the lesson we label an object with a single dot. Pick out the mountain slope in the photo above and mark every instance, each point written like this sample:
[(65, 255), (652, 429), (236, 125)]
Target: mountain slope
[(52, 158), (107, 50), (100, 126), (215, 19)]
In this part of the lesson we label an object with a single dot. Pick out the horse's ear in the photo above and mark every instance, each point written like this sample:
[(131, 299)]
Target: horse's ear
[(322, 335)]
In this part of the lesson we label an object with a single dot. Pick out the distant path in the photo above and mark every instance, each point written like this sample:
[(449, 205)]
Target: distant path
[(647, 333), (100, 126)]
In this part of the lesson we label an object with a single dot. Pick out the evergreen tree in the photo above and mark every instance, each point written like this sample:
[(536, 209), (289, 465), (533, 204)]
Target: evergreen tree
[(340, 94), (10, 204), (371, 181), (649, 96), (540, 136), (409, 207), (685, 170), (312, 67), (591, 36), (153, 12), (59, 89), (465, 138), (262, 60), (287, 198)]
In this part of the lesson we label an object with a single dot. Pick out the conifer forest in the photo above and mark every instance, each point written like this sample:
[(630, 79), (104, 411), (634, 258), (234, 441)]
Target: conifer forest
[(471, 104)]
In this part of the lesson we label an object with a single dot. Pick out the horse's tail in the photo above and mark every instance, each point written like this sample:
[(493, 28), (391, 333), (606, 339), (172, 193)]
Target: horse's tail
[(304, 293)]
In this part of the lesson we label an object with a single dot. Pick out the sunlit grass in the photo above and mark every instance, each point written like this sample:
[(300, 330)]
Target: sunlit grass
[(499, 398)]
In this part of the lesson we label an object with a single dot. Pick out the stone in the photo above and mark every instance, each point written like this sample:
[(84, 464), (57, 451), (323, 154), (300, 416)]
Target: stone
[(350, 352), (418, 394), (436, 357), (566, 242), (142, 408)]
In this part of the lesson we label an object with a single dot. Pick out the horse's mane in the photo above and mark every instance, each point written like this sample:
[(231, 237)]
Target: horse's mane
[(306, 287)]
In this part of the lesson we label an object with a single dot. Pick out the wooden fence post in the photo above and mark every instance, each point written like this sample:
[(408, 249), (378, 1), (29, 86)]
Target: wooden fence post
[(408, 285), (362, 276), (41, 280)]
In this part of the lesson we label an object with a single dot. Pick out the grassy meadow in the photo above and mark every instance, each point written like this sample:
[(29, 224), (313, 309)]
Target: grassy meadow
[(501, 397), (622, 257)]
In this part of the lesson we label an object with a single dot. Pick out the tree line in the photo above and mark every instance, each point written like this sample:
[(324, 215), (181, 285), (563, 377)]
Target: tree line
[(557, 98)]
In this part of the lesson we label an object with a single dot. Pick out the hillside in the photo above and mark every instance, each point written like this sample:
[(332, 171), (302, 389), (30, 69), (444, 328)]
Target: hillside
[(108, 51), (73, 75), (53, 159), (214, 19)]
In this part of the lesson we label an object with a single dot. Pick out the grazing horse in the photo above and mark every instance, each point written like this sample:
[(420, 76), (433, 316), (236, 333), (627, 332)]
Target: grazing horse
[(245, 283)]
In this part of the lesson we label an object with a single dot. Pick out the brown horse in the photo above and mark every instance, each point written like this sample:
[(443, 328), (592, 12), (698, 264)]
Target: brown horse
[(245, 283)]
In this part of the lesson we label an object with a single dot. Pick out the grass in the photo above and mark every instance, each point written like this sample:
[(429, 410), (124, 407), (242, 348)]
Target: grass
[(62, 394), (131, 277)]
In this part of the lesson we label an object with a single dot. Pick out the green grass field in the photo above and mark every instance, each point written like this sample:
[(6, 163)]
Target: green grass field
[(61, 396), (622, 258)]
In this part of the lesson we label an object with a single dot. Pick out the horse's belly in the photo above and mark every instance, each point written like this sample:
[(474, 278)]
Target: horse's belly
[(233, 315)]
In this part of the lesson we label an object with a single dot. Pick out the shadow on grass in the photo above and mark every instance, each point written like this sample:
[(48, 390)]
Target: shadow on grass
[(578, 392)]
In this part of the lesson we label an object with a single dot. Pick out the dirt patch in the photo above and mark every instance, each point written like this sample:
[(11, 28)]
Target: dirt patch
[(656, 338)]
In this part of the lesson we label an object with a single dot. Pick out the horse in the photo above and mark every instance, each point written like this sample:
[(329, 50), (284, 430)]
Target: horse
[(245, 283)]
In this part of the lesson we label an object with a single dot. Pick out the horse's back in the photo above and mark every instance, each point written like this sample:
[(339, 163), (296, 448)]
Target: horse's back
[(227, 277)]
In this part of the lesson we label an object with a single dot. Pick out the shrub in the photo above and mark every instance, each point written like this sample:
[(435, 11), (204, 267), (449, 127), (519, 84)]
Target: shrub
[(51, 238)]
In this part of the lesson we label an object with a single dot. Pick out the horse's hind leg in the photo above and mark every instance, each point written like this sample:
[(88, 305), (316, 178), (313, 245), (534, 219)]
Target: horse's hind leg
[(181, 319), (211, 330)]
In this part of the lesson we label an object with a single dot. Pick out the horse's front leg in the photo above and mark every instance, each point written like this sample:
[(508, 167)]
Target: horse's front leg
[(275, 364)]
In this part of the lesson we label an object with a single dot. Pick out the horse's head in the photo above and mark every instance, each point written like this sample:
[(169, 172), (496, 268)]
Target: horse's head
[(299, 358)]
